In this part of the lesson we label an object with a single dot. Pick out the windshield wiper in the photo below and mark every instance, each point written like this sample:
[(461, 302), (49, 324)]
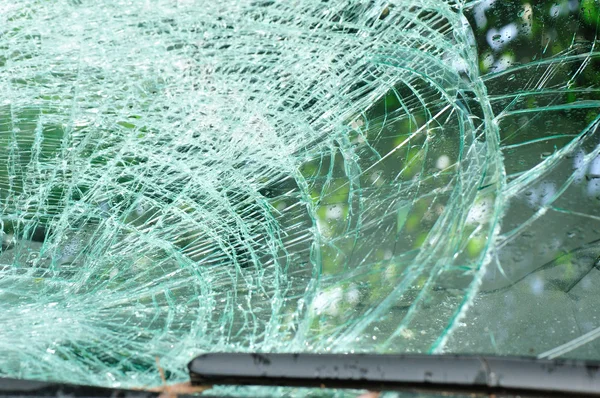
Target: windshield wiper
[(423, 373)]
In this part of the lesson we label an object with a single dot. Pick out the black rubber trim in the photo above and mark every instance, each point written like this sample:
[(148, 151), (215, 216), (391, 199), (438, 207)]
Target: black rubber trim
[(31, 388)]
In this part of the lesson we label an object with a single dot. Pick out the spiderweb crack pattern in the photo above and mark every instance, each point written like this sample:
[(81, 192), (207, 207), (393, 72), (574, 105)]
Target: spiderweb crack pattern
[(180, 177)]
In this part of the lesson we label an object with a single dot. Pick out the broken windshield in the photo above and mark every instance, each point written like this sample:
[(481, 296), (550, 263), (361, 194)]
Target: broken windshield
[(182, 177)]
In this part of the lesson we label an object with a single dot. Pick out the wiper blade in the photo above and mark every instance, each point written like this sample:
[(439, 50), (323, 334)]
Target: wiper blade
[(425, 373)]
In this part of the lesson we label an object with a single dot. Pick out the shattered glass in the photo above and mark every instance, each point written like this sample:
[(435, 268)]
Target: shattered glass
[(179, 177)]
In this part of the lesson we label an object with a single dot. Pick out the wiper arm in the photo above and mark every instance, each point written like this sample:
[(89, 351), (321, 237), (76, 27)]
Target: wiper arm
[(424, 373)]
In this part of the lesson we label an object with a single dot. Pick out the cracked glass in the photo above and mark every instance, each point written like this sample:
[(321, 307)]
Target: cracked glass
[(181, 177)]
